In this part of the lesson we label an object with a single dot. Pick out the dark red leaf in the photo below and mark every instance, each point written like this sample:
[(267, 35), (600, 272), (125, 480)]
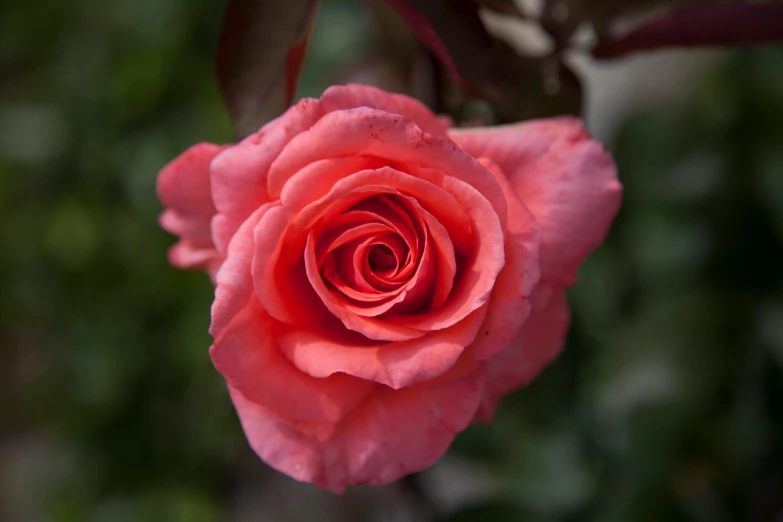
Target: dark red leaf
[(260, 53), (712, 24), (457, 23), (293, 66), (516, 87)]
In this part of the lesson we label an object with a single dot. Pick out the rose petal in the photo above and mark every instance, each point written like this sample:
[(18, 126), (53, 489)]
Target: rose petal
[(354, 95), (370, 327), (316, 179), (434, 276), (364, 303), (385, 210), (392, 434), (233, 286), (358, 232), (347, 227), (193, 227), (281, 237), (184, 189), (390, 137), (385, 258), (366, 299), (391, 211), (239, 178), (183, 184), (185, 254), (246, 353), (509, 305), (564, 178), (537, 344), (353, 261), (291, 291), (397, 365), (477, 274)]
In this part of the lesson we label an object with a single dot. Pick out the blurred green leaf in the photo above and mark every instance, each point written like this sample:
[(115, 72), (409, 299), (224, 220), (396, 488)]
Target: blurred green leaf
[(260, 53), (549, 473), (493, 512), (73, 234)]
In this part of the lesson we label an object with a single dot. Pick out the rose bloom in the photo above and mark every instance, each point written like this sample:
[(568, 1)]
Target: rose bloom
[(383, 280)]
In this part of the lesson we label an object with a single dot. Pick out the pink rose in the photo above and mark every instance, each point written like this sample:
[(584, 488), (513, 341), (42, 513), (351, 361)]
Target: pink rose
[(382, 280)]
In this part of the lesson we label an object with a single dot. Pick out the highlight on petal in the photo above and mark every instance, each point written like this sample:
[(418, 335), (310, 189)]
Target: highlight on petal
[(564, 178), (393, 433), (184, 189)]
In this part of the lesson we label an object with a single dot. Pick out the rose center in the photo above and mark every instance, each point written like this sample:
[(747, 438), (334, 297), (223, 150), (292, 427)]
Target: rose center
[(381, 258)]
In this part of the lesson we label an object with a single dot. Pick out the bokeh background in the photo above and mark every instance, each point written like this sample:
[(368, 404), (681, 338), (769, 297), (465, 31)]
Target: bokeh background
[(666, 406)]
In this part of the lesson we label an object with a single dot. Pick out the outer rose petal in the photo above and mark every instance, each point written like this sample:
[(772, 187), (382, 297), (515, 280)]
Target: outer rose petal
[(248, 356), (246, 352), (392, 138), (391, 434), (537, 344), (396, 365), (239, 173), (509, 305), (239, 176), (352, 96), (184, 189), (567, 181), (185, 254)]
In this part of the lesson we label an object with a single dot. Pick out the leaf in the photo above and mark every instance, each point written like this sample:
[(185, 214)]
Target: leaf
[(715, 24), (260, 53), (517, 87), (449, 29)]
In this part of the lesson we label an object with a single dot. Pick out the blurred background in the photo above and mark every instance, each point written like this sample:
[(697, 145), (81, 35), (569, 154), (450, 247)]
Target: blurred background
[(667, 404)]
